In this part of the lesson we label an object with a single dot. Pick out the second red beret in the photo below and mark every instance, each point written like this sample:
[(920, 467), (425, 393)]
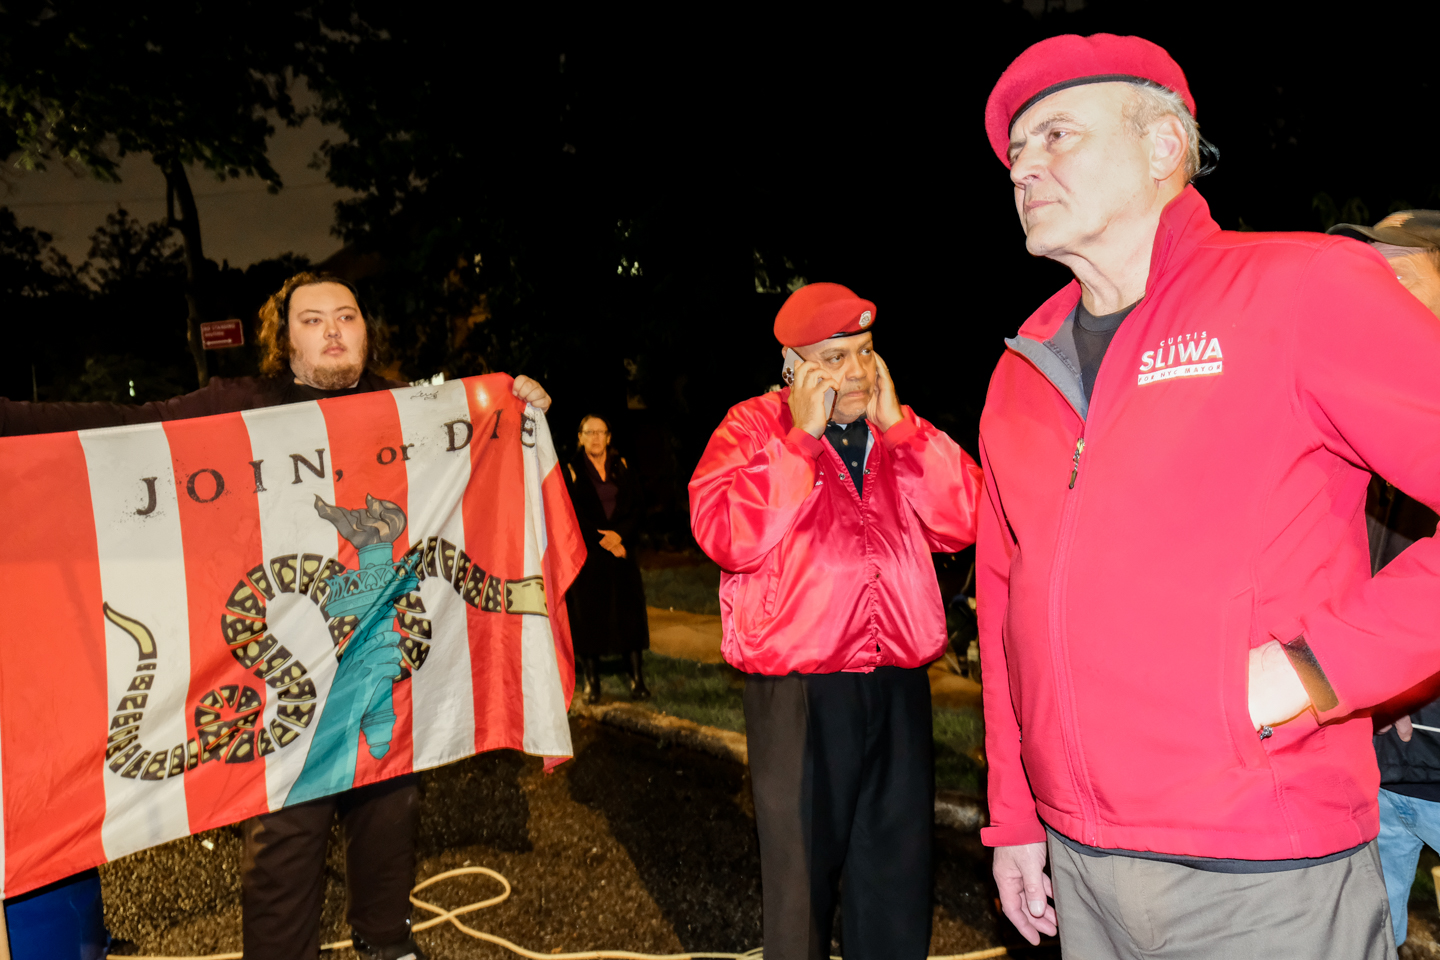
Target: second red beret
[(819, 311)]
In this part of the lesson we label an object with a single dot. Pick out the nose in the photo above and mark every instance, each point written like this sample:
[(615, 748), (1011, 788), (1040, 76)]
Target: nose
[(1026, 166)]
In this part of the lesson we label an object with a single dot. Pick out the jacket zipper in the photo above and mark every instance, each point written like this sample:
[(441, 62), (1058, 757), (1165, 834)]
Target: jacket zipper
[(1075, 469), (1068, 515), (1069, 728), (1068, 519)]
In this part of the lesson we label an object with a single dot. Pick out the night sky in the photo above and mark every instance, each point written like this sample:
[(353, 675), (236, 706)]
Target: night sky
[(241, 221), (847, 148), (855, 147)]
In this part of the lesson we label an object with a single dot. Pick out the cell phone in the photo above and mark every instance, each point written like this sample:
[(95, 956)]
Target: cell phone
[(787, 374)]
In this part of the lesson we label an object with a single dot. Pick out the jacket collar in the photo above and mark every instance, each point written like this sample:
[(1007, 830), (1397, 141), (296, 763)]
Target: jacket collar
[(1185, 223)]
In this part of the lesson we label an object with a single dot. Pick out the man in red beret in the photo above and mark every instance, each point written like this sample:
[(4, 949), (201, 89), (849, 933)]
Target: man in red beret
[(1179, 633), (822, 503)]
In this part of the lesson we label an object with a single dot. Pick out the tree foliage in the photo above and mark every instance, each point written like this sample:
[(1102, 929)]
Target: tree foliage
[(30, 268), (190, 84), (186, 82), (125, 253)]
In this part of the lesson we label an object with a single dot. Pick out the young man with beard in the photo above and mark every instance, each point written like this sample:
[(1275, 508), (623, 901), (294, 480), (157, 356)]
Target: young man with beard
[(822, 503), (317, 343), (1179, 633)]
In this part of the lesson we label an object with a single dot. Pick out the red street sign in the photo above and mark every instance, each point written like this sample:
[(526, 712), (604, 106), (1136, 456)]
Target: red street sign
[(222, 333)]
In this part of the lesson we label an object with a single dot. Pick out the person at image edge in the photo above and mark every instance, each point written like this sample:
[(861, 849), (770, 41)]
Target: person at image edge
[(1179, 633)]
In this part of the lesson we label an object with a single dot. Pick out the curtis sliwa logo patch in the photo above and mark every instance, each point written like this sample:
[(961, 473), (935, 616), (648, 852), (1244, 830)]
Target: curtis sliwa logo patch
[(1189, 355)]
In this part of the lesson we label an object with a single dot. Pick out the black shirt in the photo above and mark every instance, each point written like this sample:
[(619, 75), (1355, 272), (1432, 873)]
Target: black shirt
[(293, 391), (1092, 339), (1207, 864), (850, 444), (222, 395)]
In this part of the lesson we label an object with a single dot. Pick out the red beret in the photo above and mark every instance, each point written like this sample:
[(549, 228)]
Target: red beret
[(1068, 61), (819, 311)]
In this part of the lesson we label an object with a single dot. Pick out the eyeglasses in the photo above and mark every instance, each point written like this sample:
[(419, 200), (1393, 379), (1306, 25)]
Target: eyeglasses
[(594, 433)]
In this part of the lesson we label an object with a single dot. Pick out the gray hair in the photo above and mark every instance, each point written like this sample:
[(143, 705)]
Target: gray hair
[(1151, 103)]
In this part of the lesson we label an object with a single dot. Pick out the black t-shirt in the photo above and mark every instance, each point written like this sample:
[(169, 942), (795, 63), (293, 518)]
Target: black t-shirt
[(1092, 339), (293, 391)]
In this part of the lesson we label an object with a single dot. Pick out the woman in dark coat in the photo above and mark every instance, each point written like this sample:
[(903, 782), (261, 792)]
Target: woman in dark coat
[(607, 600)]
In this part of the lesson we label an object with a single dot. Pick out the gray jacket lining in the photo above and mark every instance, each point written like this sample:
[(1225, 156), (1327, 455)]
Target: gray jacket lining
[(1059, 361)]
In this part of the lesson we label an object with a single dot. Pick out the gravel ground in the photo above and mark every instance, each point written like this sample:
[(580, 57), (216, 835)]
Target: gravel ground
[(634, 845)]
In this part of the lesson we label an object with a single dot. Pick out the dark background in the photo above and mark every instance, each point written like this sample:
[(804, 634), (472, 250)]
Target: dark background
[(515, 173)]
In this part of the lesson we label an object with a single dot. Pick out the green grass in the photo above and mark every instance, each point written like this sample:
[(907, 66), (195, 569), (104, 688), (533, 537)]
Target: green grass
[(959, 738), (710, 694), (694, 588)]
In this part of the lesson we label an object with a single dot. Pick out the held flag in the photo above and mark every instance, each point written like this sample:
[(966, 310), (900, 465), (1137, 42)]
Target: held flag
[(213, 618)]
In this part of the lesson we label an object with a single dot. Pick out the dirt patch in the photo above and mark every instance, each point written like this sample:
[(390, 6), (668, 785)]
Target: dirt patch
[(952, 691), (689, 636), (635, 844)]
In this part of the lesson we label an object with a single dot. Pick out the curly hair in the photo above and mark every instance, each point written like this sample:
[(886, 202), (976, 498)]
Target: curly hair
[(274, 334)]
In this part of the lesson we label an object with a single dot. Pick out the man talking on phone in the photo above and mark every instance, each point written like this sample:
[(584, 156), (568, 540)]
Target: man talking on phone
[(822, 503)]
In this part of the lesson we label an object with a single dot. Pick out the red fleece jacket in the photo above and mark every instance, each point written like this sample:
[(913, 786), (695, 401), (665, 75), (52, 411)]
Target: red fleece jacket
[(815, 577), (1218, 504)]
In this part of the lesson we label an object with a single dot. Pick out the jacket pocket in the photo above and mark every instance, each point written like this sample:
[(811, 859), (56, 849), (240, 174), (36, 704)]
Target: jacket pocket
[(772, 589), (1237, 630), (755, 599)]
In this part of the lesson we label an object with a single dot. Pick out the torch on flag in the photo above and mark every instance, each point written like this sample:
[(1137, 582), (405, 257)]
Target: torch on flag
[(214, 618)]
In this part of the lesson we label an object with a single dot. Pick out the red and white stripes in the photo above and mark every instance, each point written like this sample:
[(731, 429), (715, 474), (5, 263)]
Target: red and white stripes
[(165, 583)]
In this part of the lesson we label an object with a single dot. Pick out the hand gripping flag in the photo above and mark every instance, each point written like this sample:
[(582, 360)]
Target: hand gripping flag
[(210, 619)]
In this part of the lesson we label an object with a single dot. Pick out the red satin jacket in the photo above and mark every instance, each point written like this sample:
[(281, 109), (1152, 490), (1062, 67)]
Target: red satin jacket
[(816, 578)]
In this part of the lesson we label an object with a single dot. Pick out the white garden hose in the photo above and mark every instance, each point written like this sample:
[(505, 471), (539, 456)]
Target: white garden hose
[(453, 917)]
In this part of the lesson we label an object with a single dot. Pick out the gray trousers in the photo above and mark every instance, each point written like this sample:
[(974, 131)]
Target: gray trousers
[(1133, 909)]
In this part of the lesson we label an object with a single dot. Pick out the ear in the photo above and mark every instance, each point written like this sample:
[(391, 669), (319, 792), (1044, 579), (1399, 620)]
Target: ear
[(1168, 148)]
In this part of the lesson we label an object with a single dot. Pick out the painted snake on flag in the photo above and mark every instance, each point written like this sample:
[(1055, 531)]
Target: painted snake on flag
[(374, 616)]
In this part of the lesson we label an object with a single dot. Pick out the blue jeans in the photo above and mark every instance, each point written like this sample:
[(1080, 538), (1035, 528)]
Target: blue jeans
[(1406, 825), (63, 921)]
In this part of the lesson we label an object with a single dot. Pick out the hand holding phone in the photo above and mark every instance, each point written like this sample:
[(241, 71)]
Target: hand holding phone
[(812, 393)]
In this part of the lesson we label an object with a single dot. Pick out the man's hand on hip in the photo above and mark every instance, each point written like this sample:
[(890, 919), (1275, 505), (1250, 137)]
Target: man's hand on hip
[(885, 409), (807, 397), (1402, 726), (1024, 889), (1276, 693)]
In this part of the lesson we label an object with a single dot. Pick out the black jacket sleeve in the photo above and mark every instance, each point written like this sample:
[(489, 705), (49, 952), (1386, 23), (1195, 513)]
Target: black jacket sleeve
[(220, 396)]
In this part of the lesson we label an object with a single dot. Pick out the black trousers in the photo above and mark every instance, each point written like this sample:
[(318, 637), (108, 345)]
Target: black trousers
[(843, 776), (283, 871)]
